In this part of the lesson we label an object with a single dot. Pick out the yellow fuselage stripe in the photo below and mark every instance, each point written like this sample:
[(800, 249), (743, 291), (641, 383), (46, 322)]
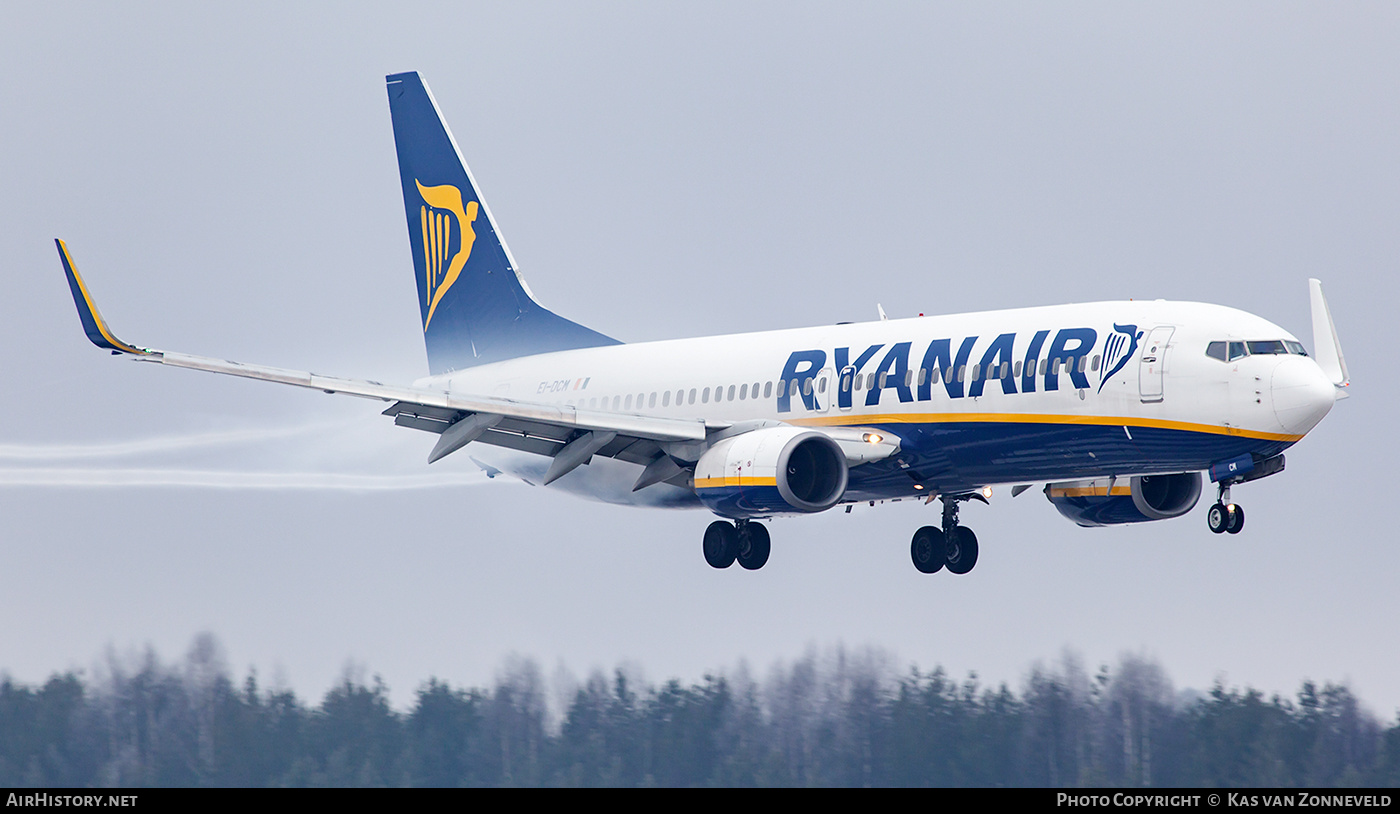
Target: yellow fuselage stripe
[(1037, 418)]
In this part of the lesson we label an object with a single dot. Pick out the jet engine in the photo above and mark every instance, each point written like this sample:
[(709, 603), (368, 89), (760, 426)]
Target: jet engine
[(775, 470), (1109, 502)]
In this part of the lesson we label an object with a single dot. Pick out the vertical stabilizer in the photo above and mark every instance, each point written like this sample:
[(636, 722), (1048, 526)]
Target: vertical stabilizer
[(474, 306)]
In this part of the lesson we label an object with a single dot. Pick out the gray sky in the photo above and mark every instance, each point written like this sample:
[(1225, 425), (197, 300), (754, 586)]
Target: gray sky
[(225, 177)]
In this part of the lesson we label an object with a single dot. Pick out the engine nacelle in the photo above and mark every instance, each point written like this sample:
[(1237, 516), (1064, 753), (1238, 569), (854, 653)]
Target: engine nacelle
[(775, 470), (1133, 500)]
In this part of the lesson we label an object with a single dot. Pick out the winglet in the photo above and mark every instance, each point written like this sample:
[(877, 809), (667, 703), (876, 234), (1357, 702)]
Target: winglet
[(1327, 348), (93, 324)]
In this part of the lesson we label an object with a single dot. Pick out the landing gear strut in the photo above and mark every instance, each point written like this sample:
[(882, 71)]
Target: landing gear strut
[(1225, 516), (952, 545), (744, 540)]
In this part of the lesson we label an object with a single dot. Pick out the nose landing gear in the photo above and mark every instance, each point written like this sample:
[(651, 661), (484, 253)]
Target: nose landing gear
[(1225, 516)]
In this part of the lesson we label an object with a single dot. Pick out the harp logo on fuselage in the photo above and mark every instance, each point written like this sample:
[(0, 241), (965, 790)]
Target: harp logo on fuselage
[(447, 241)]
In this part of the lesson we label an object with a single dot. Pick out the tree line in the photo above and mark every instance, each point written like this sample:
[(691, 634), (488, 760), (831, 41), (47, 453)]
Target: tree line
[(841, 718)]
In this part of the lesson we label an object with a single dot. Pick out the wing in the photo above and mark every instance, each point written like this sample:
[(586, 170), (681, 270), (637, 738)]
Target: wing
[(569, 435)]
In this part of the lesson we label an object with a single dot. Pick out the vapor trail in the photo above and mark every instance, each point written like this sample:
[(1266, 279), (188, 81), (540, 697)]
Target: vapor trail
[(167, 443), (221, 479)]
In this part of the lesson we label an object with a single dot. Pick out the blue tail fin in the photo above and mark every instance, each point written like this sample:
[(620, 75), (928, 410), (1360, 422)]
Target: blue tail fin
[(475, 308)]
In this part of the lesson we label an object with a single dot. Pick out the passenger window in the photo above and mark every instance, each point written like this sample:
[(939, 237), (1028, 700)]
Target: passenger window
[(705, 396), (651, 402), (1083, 363), (666, 399), (1044, 364), (767, 390), (731, 392), (1016, 369), (628, 404), (1094, 365), (743, 392), (962, 373), (807, 386), (692, 395), (617, 402)]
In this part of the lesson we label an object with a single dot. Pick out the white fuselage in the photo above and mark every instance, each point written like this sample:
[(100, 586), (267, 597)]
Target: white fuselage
[(1014, 396)]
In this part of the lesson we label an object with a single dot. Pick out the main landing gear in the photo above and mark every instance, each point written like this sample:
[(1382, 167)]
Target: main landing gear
[(743, 541), (952, 545), (1225, 516)]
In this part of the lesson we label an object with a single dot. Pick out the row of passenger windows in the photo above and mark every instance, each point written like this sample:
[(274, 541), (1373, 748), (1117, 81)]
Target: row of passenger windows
[(1230, 351), (743, 393), (810, 384)]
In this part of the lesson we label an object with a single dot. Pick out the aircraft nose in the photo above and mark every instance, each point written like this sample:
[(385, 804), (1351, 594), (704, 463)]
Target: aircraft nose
[(1302, 394)]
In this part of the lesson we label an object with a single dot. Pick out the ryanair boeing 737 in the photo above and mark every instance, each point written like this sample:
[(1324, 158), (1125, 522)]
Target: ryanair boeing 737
[(1117, 407)]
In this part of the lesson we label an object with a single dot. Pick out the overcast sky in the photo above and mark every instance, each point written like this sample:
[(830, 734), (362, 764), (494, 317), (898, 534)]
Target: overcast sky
[(225, 178)]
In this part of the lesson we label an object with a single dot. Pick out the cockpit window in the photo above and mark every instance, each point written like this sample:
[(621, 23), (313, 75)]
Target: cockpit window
[(1226, 351), (1274, 346), (1230, 351)]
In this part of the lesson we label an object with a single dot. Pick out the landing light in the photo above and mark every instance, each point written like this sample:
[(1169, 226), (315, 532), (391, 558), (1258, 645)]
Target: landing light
[(986, 491), (873, 438)]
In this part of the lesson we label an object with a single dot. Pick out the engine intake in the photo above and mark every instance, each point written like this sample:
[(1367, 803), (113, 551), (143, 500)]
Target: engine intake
[(1138, 499), (776, 470)]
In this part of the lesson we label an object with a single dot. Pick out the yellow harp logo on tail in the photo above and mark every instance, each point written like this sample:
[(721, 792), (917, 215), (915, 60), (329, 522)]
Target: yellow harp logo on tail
[(443, 206)]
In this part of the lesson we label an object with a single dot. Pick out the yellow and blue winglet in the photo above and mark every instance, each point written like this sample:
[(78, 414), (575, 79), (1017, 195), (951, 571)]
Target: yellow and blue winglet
[(93, 324)]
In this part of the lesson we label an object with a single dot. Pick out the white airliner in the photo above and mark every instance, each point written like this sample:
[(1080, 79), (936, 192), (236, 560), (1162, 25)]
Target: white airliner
[(1118, 407)]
